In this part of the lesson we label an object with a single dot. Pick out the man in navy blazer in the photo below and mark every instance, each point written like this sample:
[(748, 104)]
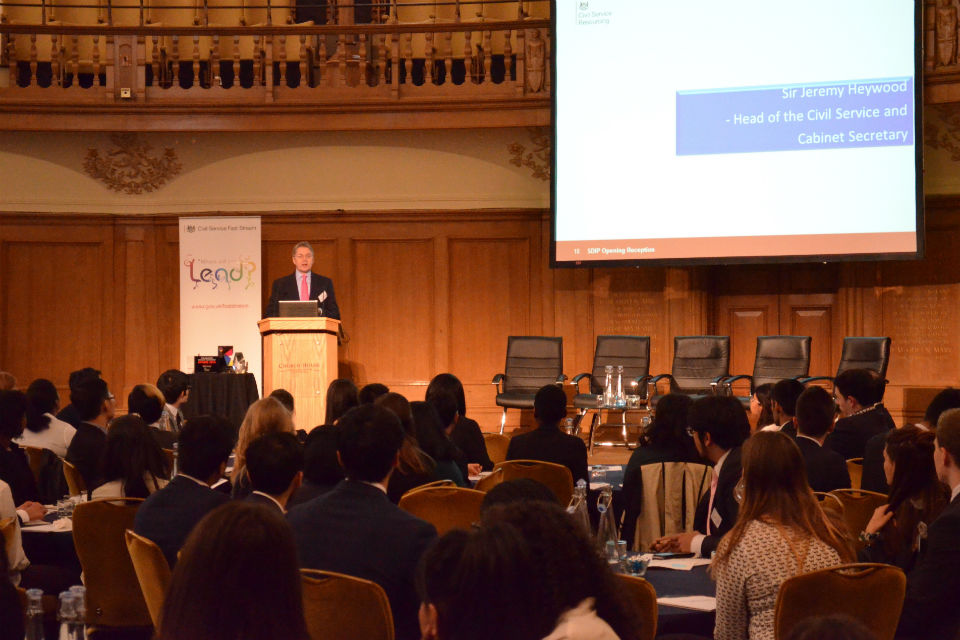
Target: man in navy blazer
[(826, 469), (168, 516), (303, 280), (355, 529), (930, 606)]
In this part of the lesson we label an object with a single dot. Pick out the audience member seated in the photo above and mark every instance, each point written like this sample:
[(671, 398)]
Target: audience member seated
[(433, 440), (274, 469), (286, 399), (147, 401), (719, 426), (466, 433), (874, 478), (355, 529), (264, 416), (517, 490), (838, 627), (7, 381), (665, 440), (11, 612), (780, 532), (930, 607), (15, 559), (370, 392), (321, 468), (342, 395), (826, 469), (133, 464), (578, 580), (414, 468), (898, 530), (69, 413), (168, 516), (783, 399), (859, 395), (175, 387), (44, 430), (547, 442), (96, 406), (237, 578), (446, 405), (14, 467), (761, 407)]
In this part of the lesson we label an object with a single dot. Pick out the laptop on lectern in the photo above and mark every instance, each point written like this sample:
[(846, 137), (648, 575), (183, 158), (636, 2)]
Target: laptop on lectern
[(299, 309)]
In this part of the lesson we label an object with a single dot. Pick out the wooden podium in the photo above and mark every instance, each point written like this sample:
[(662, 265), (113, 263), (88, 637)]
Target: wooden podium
[(300, 355)]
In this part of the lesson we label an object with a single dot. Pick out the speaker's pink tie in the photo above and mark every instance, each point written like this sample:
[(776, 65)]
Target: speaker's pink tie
[(304, 291)]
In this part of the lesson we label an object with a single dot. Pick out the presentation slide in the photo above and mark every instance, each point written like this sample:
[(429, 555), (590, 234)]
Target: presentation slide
[(735, 130)]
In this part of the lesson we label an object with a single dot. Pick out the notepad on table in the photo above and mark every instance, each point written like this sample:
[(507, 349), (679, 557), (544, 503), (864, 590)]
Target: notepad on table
[(699, 603)]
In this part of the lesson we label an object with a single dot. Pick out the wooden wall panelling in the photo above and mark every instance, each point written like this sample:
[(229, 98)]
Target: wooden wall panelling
[(814, 315), (167, 251), (573, 312)]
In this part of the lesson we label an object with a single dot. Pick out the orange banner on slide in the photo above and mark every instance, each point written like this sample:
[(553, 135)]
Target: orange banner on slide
[(737, 247)]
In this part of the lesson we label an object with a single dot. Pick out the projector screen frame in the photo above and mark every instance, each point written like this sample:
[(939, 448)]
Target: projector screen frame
[(919, 254)]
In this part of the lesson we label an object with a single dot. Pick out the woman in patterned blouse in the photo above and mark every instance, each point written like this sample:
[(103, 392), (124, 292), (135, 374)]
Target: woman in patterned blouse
[(780, 532)]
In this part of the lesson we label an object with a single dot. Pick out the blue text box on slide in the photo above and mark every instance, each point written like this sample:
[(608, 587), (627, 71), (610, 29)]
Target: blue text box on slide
[(839, 115)]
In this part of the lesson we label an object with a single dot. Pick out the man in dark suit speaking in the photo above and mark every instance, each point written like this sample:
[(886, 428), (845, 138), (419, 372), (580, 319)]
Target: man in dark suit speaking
[(304, 285)]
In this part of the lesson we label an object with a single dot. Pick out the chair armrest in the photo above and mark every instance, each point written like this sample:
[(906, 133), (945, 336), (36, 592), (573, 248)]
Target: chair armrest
[(560, 379), (580, 376), (815, 379), (731, 379), (662, 376), (639, 380), (497, 379)]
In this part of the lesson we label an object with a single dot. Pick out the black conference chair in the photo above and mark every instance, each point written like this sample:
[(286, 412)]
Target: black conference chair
[(778, 358), (630, 352), (532, 362), (700, 363), (861, 353)]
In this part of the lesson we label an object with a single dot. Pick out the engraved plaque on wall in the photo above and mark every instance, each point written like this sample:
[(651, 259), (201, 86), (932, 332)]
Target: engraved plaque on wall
[(925, 329), (625, 305)]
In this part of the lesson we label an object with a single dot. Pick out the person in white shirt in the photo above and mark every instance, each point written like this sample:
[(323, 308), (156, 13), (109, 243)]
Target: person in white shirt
[(44, 430), (16, 558)]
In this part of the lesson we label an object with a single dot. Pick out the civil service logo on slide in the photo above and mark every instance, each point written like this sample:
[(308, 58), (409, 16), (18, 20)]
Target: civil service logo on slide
[(217, 272)]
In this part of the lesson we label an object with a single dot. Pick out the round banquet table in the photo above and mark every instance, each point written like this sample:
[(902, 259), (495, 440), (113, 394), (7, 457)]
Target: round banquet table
[(222, 394), (672, 583), (45, 547)]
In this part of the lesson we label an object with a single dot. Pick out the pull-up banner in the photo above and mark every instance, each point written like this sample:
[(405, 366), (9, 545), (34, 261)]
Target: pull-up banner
[(220, 268)]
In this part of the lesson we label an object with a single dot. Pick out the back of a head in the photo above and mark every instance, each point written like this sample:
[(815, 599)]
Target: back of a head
[(485, 584), (550, 404), (428, 429), (370, 392), (446, 405), (772, 463), (82, 375), (13, 408), (272, 462), (517, 490), (786, 393), (204, 443), (835, 627), (370, 438), (451, 384), (144, 403), (342, 395), (400, 407), (948, 432), (572, 568), (130, 453), (914, 471), (815, 412), (320, 464), (42, 397), (172, 383), (264, 416), (863, 384), (284, 397), (723, 417), (88, 396), (237, 577), (946, 399), (668, 429)]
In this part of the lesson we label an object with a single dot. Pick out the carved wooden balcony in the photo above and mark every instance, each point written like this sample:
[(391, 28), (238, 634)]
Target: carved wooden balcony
[(135, 71)]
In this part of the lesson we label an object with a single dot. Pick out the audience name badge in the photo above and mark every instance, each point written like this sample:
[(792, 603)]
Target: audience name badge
[(715, 518)]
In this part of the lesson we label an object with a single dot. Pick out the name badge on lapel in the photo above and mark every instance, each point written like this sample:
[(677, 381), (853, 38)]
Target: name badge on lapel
[(715, 518)]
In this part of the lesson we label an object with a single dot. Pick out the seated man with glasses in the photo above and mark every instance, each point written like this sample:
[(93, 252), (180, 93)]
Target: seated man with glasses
[(718, 426), (96, 407)]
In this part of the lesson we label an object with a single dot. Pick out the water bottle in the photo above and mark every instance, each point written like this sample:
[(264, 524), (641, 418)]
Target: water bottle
[(78, 626), (608, 393), (176, 464), (66, 614), (578, 505), (621, 400), (34, 615), (607, 529)]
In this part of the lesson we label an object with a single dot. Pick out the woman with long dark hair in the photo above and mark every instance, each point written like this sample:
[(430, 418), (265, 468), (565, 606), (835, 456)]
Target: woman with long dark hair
[(761, 407), (897, 529), (133, 465), (237, 577), (466, 433), (414, 467), (665, 440), (780, 532), (43, 429), (342, 395), (430, 435)]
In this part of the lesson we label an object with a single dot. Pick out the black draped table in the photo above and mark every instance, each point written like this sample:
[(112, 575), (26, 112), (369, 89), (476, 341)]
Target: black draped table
[(221, 394), (671, 583)]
